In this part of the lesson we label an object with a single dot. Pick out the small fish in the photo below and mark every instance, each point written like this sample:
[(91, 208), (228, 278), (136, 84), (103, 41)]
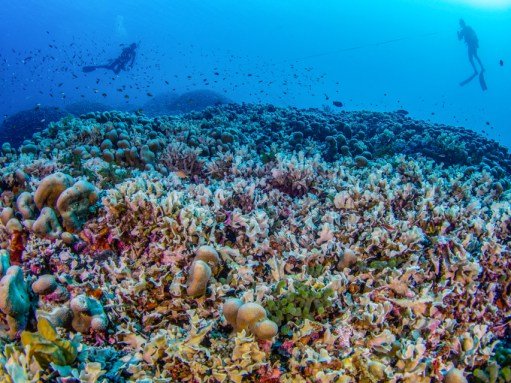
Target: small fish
[(181, 174), (501, 62), (149, 94), (338, 104), (104, 94)]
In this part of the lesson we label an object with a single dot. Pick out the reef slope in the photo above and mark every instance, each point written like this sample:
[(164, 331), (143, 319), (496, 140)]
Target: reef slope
[(253, 243)]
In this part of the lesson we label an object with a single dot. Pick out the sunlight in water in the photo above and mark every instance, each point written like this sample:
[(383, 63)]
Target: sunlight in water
[(501, 4)]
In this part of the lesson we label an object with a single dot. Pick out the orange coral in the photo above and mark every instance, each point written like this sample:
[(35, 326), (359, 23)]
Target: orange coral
[(16, 247)]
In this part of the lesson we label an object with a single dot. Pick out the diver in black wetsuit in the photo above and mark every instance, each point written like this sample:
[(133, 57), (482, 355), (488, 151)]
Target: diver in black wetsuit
[(470, 37), (124, 62)]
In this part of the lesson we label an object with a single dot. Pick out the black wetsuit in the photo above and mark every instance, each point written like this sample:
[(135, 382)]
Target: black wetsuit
[(124, 62), (468, 34)]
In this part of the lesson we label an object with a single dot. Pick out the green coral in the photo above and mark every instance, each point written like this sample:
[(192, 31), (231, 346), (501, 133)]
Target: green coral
[(383, 264), (47, 347), (316, 270), (297, 304), (498, 369)]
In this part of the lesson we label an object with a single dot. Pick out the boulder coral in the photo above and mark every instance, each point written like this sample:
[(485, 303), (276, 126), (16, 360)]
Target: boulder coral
[(74, 205), (25, 205), (88, 314), (14, 299), (250, 317), (6, 214), (50, 188), (47, 224), (45, 284), (206, 263), (200, 273)]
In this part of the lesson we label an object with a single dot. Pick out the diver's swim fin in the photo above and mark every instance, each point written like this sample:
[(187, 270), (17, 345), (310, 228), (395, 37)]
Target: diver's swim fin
[(482, 81), (92, 68), (465, 82), (87, 69)]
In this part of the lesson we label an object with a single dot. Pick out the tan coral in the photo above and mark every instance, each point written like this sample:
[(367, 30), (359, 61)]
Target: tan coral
[(455, 376), (250, 317), (47, 224), (14, 225), (25, 205), (50, 189), (265, 329), (230, 310), (209, 255), (88, 314), (74, 204), (6, 215), (200, 273), (45, 284), (207, 262)]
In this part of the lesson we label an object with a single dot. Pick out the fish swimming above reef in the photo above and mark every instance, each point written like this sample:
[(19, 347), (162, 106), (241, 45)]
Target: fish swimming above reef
[(338, 104)]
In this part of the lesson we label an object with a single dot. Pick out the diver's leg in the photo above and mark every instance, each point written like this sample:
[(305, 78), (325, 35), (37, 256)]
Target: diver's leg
[(479, 61), (471, 59)]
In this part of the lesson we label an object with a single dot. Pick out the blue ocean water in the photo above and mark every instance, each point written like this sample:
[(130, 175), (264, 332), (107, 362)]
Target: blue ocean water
[(368, 54)]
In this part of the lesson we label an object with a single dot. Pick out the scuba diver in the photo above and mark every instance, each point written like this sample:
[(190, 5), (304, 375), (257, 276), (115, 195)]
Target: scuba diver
[(468, 34), (470, 37), (124, 62)]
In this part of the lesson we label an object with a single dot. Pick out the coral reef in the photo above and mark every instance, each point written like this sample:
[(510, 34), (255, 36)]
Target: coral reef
[(22, 125), (339, 247)]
